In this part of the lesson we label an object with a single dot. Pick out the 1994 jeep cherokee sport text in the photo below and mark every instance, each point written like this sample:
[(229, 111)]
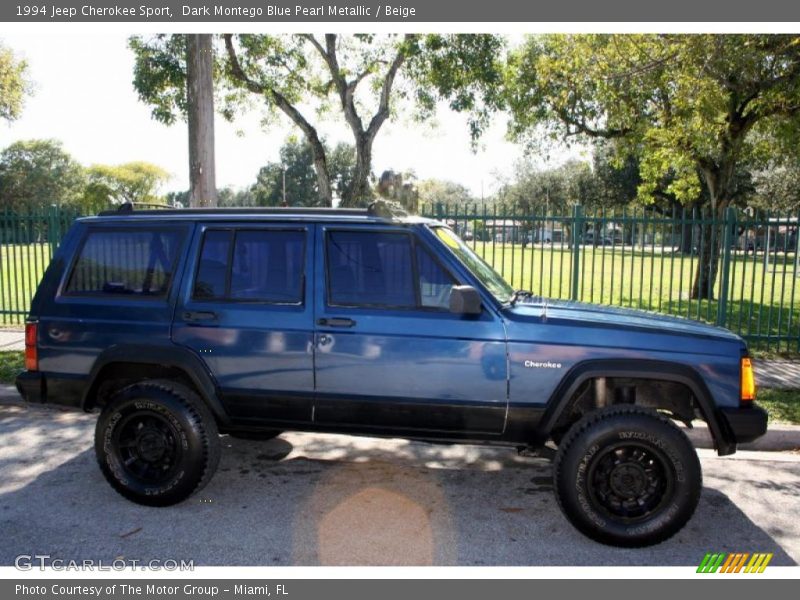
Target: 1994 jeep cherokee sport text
[(179, 325)]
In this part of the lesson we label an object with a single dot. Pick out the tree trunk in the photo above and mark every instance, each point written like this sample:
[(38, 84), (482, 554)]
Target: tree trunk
[(709, 246), (200, 101), (321, 169), (358, 193)]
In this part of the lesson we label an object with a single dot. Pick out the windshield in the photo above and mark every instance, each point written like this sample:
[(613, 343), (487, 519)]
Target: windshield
[(490, 278)]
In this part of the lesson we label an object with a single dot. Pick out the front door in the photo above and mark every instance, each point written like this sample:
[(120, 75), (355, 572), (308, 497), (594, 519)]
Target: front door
[(389, 354), (246, 312)]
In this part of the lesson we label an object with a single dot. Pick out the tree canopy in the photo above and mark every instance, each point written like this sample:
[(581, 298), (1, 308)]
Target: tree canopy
[(38, 173), (136, 182), (297, 159), (357, 78), (14, 85), (689, 106)]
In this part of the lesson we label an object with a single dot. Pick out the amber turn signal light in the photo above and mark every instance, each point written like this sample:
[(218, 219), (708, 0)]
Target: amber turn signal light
[(748, 381)]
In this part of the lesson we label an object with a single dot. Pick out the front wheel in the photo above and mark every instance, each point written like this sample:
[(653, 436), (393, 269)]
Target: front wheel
[(157, 443), (627, 476)]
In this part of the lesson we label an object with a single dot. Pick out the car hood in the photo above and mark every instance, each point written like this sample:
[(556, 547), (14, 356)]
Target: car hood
[(578, 313)]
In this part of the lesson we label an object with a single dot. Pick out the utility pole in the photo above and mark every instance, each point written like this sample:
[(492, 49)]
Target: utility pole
[(200, 101)]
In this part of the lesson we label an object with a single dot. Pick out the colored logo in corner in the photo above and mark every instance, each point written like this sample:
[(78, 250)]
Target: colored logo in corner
[(734, 562)]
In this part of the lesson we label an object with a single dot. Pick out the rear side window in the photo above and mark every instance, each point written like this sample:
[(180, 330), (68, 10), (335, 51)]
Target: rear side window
[(126, 263), (251, 265)]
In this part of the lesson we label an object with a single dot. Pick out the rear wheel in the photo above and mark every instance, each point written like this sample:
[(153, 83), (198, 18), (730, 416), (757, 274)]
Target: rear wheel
[(157, 443), (627, 476)]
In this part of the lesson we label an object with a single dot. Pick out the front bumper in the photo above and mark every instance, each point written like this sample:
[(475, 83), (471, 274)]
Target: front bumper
[(744, 424)]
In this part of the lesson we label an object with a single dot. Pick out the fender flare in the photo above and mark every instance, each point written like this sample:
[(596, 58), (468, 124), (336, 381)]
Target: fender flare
[(638, 369), (166, 355)]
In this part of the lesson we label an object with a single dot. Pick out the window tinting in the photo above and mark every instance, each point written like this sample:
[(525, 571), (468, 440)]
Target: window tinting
[(370, 268), (267, 266), (133, 263), (435, 284), (212, 272)]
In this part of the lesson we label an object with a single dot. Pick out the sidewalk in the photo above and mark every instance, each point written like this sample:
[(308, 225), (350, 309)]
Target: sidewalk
[(12, 339)]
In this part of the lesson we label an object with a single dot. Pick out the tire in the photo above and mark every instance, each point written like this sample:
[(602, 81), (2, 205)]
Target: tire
[(627, 476), (259, 436), (157, 443)]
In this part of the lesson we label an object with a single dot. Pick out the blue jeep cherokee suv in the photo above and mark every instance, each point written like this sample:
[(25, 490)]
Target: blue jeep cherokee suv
[(182, 324)]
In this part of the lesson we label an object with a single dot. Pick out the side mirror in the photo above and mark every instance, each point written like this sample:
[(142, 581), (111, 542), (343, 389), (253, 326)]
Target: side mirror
[(465, 300)]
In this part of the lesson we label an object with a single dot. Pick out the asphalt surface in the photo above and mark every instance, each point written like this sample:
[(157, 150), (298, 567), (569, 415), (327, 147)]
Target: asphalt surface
[(309, 499)]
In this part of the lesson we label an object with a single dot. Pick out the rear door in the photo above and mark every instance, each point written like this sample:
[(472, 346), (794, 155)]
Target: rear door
[(389, 354), (245, 309)]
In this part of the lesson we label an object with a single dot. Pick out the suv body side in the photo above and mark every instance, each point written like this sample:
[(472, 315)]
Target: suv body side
[(314, 363)]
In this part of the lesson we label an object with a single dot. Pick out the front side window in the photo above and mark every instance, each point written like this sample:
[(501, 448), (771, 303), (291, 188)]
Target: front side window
[(367, 268), (435, 284), (127, 263), (251, 265), (490, 278), (384, 269)]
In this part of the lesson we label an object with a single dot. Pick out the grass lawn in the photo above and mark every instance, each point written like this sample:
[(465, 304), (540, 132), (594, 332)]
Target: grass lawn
[(11, 363), (783, 405), (763, 305), (21, 268)]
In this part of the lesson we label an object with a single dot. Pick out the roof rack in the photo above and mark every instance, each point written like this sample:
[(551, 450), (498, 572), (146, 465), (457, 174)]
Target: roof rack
[(378, 209)]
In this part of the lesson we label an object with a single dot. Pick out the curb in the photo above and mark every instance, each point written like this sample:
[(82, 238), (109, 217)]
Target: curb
[(778, 438)]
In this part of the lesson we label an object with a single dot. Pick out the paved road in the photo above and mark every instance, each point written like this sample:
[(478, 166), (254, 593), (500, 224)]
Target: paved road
[(322, 499)]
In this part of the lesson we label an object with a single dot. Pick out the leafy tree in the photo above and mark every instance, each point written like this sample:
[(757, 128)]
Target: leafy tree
[(618, 180), (553, 190), (355, 77), (687, 105), (135, 182), (297, 159), (38, 173), (433, 191), (14, 85), (777, 187), (229, 196)]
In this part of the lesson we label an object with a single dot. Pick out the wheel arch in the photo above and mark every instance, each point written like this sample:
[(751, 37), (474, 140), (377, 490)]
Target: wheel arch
[(155, 360), (646, 369)]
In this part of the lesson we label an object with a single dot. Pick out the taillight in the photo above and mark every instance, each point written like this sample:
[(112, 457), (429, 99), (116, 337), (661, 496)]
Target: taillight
[(31, 353), (748, 385)]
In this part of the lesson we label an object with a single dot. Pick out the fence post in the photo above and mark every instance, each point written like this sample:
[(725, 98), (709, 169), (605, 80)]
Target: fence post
[(729, 226), (53, 227), (577, 236)]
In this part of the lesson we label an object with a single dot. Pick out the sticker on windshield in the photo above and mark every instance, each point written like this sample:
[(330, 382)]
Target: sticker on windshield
[(447, 237)]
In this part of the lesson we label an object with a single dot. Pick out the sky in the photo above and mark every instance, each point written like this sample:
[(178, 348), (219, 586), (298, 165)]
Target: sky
[(84, 97)]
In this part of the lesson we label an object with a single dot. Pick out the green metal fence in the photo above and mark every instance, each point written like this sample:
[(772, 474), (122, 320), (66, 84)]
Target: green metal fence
[(27, 242), (639, 258), (648, 259)]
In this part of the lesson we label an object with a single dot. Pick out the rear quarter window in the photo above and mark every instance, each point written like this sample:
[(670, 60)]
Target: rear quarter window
[(130, 263)]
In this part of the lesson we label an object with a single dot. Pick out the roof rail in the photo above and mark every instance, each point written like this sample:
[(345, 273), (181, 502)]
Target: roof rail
[(128, 209)]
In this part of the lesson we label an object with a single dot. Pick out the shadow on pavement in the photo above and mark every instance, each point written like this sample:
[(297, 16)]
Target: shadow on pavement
[(310, 499)]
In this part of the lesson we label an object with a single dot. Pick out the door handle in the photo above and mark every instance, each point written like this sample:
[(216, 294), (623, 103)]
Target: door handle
[(199, 315), (336, 322)]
